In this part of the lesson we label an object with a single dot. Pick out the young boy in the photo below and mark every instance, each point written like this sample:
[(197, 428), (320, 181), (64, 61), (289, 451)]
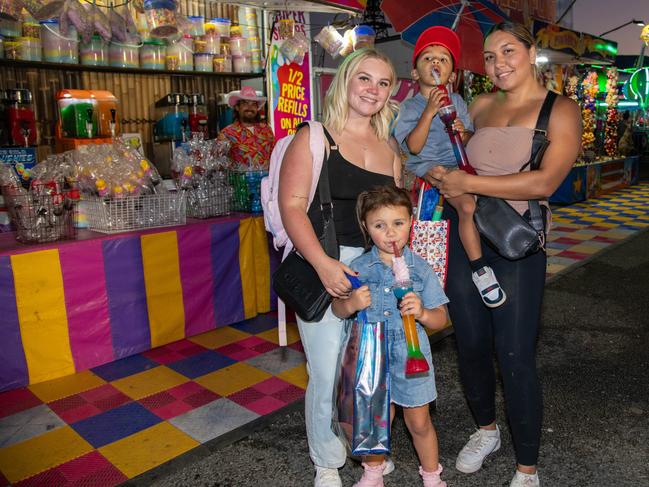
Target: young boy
[(422, 134)]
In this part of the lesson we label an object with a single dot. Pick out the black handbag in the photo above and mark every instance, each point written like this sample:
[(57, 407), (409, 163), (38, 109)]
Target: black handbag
[(504, 229), (295, 281)]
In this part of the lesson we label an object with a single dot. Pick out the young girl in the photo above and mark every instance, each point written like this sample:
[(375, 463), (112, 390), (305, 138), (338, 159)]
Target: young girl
[(385, 215)]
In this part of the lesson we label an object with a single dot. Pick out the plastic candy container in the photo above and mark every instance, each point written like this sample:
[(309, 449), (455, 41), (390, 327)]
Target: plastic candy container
[(363, 36), (241, 64), (219, 64), (212, 42), (253, 43), (286, 28), (124, 55), (94, 52), (198, 25), (29, 48), (10, 28), (179, 56), (161, 17), (222, 26), (10, 9), (203, 61), (152, 54), (11, 49), (59, 48), (200, 45), (239, 46), (330, 40), (32, 29)]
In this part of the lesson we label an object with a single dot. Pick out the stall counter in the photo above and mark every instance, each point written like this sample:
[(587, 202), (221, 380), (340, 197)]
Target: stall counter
[(73, 305), (593, 180)]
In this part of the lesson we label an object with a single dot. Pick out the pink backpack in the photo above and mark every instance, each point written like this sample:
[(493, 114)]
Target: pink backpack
[(270, 183)]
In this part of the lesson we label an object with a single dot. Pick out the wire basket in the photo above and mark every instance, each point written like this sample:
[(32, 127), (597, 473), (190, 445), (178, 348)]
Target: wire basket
[(135, 212), (41, 215), (208, 197), (246, 187)]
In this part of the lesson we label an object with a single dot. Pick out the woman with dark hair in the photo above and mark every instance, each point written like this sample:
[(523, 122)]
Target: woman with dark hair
[(504, 123)]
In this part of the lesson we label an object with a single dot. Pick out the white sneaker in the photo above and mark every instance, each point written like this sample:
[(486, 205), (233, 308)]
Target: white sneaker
[(490, 291), (525, 480), (388, 466), (481, 444), (327, 477)]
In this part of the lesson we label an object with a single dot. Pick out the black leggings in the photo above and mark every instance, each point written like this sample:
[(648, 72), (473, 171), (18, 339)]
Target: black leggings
[(511, 329)]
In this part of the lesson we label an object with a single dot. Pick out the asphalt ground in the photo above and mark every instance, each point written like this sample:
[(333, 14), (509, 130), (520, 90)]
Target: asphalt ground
[(593, 358)]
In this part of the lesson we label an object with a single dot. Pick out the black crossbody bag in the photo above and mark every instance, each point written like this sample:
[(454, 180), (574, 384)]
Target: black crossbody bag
[(504, 229), (295, 281)]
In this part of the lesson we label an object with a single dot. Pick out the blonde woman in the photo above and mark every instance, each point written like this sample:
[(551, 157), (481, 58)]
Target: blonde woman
[(357, 116)]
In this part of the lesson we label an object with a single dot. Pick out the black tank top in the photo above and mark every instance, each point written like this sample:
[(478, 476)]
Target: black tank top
[(347, 181)]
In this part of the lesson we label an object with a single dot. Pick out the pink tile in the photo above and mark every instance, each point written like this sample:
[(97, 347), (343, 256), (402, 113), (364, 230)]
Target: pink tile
[(67, 403), (48, 478), (290, 394), (251, 342), (3, 481), (244, 354), (572, 255), (99, 393), (599, 238), (157, 401), (191, 349), (272, 385), (231, 348), (246, 396), (297, 346), (83, 466), (172, 410), (17, 400), (180, 345), (78, 413), (265, 405), (568, 241), (184, 390), (163, 356), (599, 228), (265, 347), (111, 402), (563, 229), (201, 398)]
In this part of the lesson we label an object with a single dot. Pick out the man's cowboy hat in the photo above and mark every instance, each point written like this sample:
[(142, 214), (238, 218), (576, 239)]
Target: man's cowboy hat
[(245, 93)]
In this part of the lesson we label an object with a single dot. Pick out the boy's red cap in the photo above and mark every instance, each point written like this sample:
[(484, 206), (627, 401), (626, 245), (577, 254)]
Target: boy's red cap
[(441, 36)]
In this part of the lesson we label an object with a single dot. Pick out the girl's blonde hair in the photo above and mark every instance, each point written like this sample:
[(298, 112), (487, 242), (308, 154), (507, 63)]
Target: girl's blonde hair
[(336, 109), (380, 197)]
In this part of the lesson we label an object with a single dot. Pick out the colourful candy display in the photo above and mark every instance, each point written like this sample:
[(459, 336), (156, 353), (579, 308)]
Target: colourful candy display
[(416, 363)]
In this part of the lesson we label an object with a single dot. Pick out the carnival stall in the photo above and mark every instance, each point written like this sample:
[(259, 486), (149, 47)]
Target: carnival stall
[(581, 66), (131, 227)]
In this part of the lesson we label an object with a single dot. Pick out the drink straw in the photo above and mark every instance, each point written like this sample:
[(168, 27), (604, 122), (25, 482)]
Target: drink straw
[(437, 215), (396, 250)]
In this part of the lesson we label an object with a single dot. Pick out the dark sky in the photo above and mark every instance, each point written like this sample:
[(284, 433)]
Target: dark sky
[(597, 16)]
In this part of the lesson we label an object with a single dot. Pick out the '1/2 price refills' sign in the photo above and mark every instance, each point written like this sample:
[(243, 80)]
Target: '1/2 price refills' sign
[(290, 83)]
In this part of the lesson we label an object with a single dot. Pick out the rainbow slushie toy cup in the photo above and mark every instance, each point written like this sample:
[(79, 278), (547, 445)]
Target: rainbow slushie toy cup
[(416, 362)]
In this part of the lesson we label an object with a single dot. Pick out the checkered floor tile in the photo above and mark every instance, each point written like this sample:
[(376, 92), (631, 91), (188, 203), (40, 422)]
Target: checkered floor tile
[(103, 426)]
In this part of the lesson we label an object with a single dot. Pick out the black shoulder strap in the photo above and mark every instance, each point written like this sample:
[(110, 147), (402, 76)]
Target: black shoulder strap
[(540, 140), (330, 139)]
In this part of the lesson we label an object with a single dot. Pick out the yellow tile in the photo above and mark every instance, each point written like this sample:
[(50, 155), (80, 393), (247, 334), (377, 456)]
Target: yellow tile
[(592, 219), (554, 268), (551, 251), (616, 234), (147, 449), (584, 248), (52, 390), (22, 460), (149, 382), (232, 379), (581, 236), (292, 334), (296, 376), (219, 337)]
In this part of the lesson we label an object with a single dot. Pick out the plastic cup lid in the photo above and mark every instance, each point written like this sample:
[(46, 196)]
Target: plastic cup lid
[(365, 30), (221, 20)]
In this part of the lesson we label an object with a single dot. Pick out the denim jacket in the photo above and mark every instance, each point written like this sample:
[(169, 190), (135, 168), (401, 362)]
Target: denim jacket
[(378, 276)]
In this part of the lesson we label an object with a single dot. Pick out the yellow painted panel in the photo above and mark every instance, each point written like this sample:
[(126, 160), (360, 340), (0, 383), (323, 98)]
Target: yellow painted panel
[(164, 294), (247, 266), (40, 301)]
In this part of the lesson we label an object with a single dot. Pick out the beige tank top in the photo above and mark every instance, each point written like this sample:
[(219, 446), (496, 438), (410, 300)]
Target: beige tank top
[(497, 151)]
